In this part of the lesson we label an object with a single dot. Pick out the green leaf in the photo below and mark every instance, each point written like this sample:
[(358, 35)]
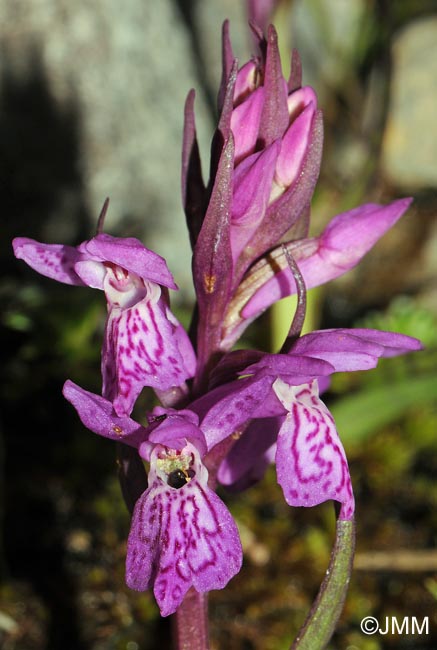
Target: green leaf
[(359, 416)]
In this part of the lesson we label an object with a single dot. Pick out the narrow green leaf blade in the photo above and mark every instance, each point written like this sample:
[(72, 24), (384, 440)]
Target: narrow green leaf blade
[(358, 416)]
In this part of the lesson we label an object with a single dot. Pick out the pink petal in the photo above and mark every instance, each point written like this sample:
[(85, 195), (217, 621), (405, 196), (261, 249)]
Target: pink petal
[(91, 273), (354, 349), (130, 254), (178, 428), (97, 414), (251, 454), (225, 409), (256, 472), (290, 210), (245, 122), (141, 349), (55, 261), (311, 465), (392, 343), (182, 343), (252, 187), (347, 238), (299, 99), (296, 368), (181, 538), (246, 81), (293, 148)]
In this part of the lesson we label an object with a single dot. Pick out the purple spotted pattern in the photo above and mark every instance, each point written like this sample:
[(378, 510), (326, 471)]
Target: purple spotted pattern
[(55, 261), (277, 413), (181, 537), (144, 343), (311, 465)]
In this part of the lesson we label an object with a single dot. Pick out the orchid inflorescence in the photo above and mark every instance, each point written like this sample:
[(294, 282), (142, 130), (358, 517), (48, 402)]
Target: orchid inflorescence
[(225, 414)]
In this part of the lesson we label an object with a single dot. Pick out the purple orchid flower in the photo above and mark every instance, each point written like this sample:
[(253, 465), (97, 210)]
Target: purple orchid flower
[(265, 163), (181, 534), (270, 134), (144, 343), (244, 409), (262, 177), (340, 247), (275, 408)]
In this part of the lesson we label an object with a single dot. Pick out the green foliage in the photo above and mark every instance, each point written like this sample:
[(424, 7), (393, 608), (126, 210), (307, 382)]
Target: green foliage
[(385, 395), (360, 415), (405, 316)]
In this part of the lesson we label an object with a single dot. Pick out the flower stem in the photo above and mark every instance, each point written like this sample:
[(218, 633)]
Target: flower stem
[(327, 607), (190, 623)]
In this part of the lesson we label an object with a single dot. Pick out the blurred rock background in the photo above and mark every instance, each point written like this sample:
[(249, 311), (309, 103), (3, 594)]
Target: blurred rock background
[(91, 105)]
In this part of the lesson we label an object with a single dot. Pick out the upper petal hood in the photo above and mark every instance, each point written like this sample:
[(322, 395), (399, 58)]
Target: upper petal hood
[(130, 254), (175, 428)]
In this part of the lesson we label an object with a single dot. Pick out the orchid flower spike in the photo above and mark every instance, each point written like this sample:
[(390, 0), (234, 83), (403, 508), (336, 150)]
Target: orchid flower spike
[(266, 158), (243, 409)]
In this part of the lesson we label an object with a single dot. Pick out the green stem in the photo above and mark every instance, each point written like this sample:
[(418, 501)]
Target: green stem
[(327, 607), (190, 623)]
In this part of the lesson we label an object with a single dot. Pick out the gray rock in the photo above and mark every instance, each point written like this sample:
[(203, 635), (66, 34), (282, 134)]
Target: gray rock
[(410, 139), (100, 90), (327, 33)]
